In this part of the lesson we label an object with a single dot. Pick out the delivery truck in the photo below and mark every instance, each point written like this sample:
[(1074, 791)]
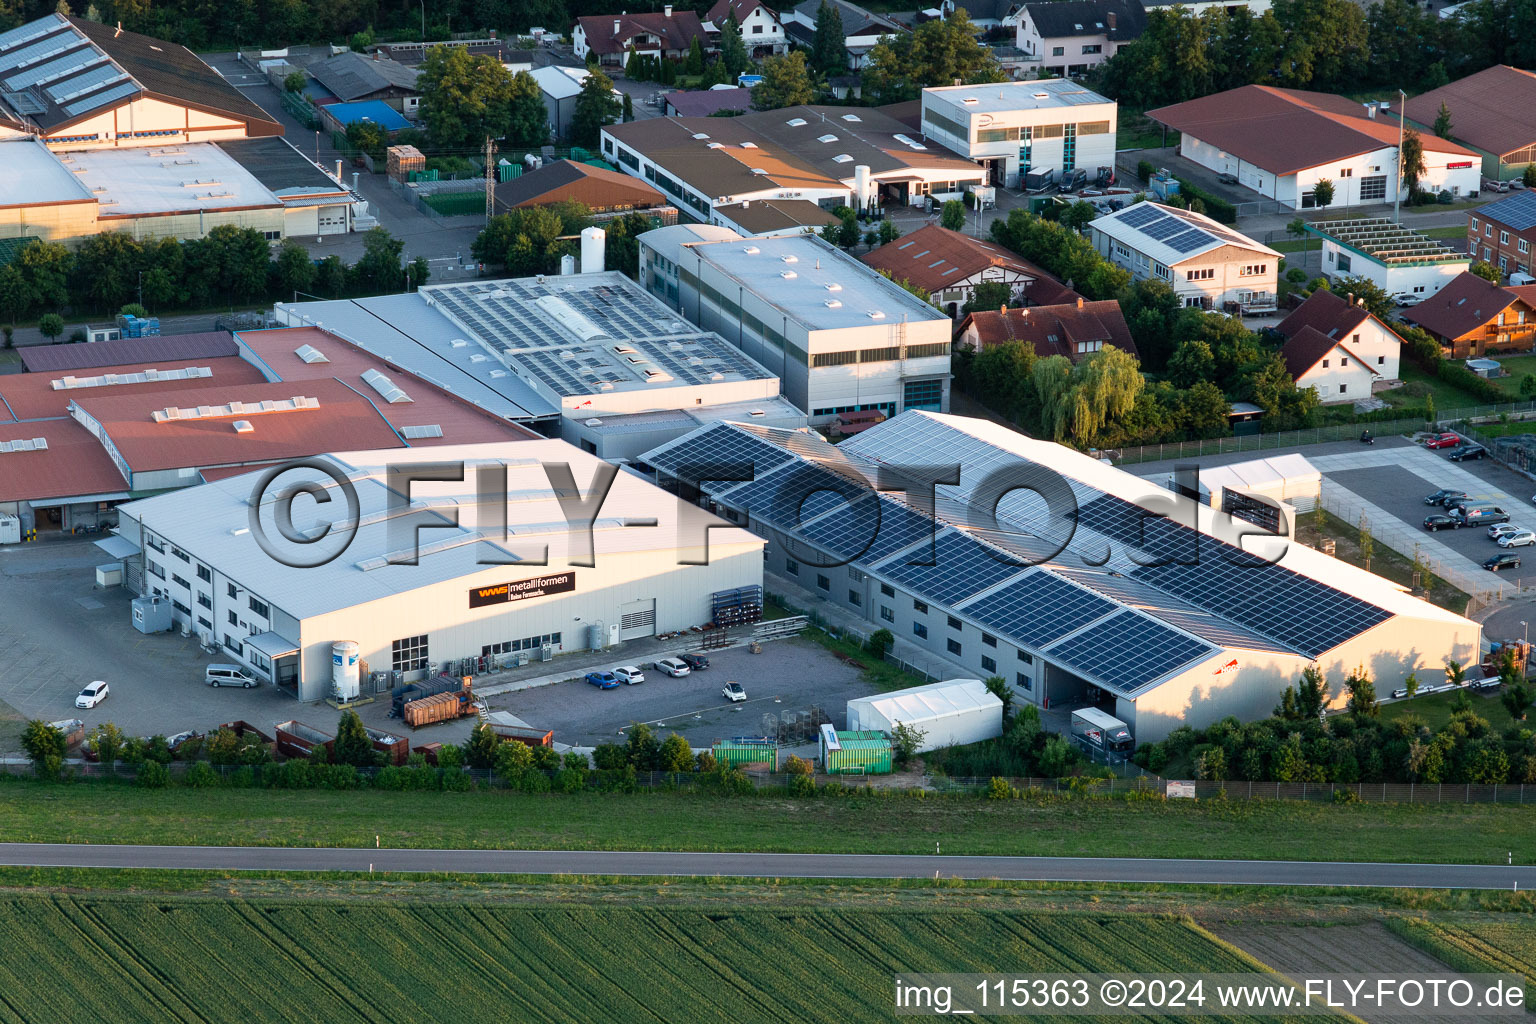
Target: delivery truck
[(1102, 736)]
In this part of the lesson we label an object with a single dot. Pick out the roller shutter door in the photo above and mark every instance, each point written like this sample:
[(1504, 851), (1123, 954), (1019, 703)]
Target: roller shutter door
[(637, 619)]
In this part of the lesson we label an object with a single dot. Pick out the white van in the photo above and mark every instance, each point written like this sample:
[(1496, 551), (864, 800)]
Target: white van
[(229, 675)]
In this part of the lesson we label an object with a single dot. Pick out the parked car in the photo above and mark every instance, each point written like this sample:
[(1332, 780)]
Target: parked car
[(734, 693), (1479, 513), (1518, 539), (674, 667), (1447, 497), (228, 675), (93, 694), (603, 680), (1468, 452), (1446, 440), (629, 675), (1502, 560), (1440, 521), (1405, 299), (1498, 530), (697, 662)]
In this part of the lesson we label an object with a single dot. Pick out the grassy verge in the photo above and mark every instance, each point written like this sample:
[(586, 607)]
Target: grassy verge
[(1447, 396), (1435, 710), (109, 813), (1385, 562), (1491, 947)]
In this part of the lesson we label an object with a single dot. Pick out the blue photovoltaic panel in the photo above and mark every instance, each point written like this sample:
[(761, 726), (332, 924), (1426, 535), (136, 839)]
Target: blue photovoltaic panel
[(1189, 240), (717, 446), (1518, 212), (796, 494), (117, 92), (962, 567), (852, 529), (1127, 651), (72, 62), (1039, 609), (1163, 230), (1132, 526), (78, 84), (1140, 216)]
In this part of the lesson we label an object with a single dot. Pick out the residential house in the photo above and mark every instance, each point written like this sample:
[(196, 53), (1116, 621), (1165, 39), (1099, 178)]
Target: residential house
[(1399, 261), (706, 102), (948, 266), (1282, 142), (1493, 113), (861, 29), (990, 17), (1208, 265), (1338, 348), (760, 27), (355, 77), (1072, 37), (1075, 329), (1502, 232), (1471, 317), (668, 33), (1013, 128)]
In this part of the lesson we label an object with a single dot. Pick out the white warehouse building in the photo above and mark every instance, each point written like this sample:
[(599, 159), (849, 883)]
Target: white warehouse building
[(444, 578), (840, 337), (1012, 128), (1117, 594), (949, 713)]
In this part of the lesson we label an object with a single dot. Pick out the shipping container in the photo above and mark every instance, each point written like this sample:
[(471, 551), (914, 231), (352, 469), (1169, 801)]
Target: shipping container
[(395, 748), (429, 751), (295, 739), (750, 756), (860, 752), (442, 707), (520, 734)]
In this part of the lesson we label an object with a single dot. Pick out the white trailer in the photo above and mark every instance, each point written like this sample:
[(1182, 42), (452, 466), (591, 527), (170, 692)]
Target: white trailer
[(1102, 736)]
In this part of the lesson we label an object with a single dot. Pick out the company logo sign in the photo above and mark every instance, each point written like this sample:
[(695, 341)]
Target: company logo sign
[(522, 590)]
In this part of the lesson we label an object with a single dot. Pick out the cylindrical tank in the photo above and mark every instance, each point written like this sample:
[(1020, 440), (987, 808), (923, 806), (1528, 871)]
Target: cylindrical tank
[(344, 671), (597, 636), (861, 196), (567, 265), (593, 243)]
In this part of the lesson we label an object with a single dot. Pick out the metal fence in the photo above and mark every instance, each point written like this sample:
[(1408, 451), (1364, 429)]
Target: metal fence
[(1405, 540)]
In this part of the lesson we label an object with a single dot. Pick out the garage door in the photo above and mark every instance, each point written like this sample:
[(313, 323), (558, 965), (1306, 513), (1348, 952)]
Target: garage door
[(637, 619)]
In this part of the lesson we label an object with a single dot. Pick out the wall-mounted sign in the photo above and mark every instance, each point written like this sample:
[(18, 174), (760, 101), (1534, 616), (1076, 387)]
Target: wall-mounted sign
[(1457, 167), (522, 590)]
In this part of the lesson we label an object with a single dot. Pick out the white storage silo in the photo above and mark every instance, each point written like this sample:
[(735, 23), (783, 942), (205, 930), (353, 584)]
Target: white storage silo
[(863, 192), (567, 265), (594, 243), (344, 670)]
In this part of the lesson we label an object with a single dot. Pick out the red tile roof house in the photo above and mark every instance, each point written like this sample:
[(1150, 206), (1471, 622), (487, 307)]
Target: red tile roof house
[(1339, 349), (1471, 317), (760, 28), (1075, 329), (948, 266), (667, 33)]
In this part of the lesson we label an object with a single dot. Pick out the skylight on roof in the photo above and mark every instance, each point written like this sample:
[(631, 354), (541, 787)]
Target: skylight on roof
[(700, 135), (842, 158), (827, 138), (852, 117), (796, 122), (749, 145)]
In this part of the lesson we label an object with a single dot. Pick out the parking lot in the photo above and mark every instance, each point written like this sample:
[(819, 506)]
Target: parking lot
[(60, 633)]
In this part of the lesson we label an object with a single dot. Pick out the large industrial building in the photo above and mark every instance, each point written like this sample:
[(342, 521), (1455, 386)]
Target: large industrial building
[(444, 578), (1057, 572), (841, 337)]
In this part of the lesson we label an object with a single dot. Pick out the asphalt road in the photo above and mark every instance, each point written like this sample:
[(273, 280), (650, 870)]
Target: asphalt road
[(782, 865)]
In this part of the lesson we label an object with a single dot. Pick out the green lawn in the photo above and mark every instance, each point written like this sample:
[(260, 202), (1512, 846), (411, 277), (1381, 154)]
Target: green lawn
[(1447, 396), (109, 813), (1134, 130), (1435, 709)]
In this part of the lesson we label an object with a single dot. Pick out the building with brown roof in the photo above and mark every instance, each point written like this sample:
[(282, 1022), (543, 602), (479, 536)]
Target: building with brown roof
[(1281, 142), (773, 216), (1471, 317), (1075, 330), (949, 265), (1338, 348), (561, 181), (667, 33), (1492, 112), (706, 102), (760, 27), (1501, 234)]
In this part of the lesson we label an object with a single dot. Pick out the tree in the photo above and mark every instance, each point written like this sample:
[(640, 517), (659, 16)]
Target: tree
[(293, 269), (935, 53), (1076, 402), (1485, 270), (733, 52), (1297, 228), (989, 295), (693, 64), (378, 270), (848, 233), (294, 82), (1367, 545), (889, 232), (418, 272), (464, 99), (1516, 699), (1413, 161), (44, 745), (527, 117), (50, 325), (596, 106), (829, 46), (905, 739), (1367, 294), (106, 268), (1455, 675), (1361, 694), (1322, 193), (1311, 693), (480, 751), (107, 740), (1192, 363), (1443, 121), (879, 642), (1528, 176), (1411, 685), (998, 688), (45, 270), (1079, 214), (675, 755), (643, 749), (786, 83), (628, 113), (352, 745), (952, 215)]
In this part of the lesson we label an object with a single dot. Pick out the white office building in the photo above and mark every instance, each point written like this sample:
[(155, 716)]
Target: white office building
[(1207, 264), (1396, 259), (840, 337)]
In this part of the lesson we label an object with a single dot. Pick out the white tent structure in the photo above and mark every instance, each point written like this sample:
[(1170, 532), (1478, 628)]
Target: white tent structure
[(952, 712), (1288, 478)]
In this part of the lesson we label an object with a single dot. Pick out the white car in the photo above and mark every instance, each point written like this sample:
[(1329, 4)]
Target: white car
[(92, 695), (1518, 539), (1406, 299), (674, 667), (629, 674), (1498, 530), (734, 693)]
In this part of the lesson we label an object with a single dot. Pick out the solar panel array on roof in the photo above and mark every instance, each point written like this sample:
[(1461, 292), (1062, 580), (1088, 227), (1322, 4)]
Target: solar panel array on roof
[(1132, 525), (1140, 215), (1517, 212), (717, 446), (796, 494), (869, 532), (963, 566), (117, 92), (1039, 609), (1129, 650)]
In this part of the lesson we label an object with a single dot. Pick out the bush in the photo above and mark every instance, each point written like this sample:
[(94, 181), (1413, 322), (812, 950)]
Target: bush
[(802, 785), (999, 789), (1145, 170), (153, 775), (1296, 275), (45, 747), (879, 642), (1459, 376), (1215, 207), (201, 776)]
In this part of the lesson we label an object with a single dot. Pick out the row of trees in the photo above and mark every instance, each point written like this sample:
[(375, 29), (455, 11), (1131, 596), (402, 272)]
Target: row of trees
[(531, 240), (1300, 744), (231, 265), (1325, 45), (467, 98)]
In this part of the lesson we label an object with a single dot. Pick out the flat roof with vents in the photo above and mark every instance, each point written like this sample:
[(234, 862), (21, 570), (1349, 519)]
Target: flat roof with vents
[(155, 180), (1005, 96), (1386, 242), (34, 177)]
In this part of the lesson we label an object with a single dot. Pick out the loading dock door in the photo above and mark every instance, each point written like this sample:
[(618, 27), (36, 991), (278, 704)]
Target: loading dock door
[(637, 619)]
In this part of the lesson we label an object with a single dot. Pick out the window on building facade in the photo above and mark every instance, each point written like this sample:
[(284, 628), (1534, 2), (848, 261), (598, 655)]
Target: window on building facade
[(920, 630), (1023, 681), (409, 654), (792, 567), (988, 664), (919, 606), (855, 598), (1503, 237), (822, 582), (887, 590), (953, 646), (259, 608), (887, 614)]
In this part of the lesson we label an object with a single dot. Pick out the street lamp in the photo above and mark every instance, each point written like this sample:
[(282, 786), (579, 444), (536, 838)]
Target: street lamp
[(423, 20), (1402, 101), (1524, 626)]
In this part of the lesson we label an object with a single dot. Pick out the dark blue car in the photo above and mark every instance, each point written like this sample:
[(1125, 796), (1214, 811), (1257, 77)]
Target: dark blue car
[(603, 680)]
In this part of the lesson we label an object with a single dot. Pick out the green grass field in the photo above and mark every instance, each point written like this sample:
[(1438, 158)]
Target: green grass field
[(1494, 947), (1450, 832), (117, 958), (1435, 710)]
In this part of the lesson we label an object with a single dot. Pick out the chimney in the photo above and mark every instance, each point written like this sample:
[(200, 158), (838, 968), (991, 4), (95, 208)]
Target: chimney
[(338, 171), (1350, 298), (957, 81), (746, 203), (1079, 302), (616, 24), (1002, 310), (1370, 110), (666, 11), (1110, 19)]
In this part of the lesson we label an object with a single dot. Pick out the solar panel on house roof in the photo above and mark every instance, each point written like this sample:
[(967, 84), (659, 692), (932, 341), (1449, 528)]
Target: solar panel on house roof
[(1140, 215), (1517, 212), (796, 494), (962, 566), (1189, 240), (92, 102), (1128, 650), (1038, 609)]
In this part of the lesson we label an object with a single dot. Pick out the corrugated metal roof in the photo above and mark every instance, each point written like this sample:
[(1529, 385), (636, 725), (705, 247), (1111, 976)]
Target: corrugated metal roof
[(53, 358)]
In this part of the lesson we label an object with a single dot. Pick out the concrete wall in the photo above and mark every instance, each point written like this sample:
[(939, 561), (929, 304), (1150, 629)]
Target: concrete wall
[(117, 127), (56, 222)]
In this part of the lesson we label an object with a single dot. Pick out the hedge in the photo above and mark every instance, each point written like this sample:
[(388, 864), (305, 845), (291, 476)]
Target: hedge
[(1216, 207)]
